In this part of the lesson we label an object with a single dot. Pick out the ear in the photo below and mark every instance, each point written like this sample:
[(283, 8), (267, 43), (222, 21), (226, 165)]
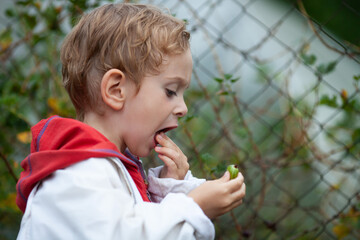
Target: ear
[(113, 88)]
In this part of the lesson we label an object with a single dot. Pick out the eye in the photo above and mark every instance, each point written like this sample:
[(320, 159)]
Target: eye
[(170, 93)]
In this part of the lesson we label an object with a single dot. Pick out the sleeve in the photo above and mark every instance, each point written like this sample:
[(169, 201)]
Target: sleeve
[(159, 188), (90, 200)]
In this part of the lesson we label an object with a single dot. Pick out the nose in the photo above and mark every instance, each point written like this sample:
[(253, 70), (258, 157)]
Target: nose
[(181, 109)]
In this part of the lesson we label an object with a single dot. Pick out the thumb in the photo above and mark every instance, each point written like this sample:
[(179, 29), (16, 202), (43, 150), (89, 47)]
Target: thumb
[(225, 177)]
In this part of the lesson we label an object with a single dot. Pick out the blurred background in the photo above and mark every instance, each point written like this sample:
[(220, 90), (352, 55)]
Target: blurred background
[(275, 90)]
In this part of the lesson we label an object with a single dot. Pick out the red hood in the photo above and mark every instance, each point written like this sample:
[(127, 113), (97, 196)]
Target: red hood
[(60, 142)]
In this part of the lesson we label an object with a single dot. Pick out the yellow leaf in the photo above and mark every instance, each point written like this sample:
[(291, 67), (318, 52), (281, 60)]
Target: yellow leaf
[(37, 5), (24, 137), (344, 94), (15, 164), (5, 39), (341, 230), (53, 103), (5, 44), (58, 9), (306, 47), (9, 202)]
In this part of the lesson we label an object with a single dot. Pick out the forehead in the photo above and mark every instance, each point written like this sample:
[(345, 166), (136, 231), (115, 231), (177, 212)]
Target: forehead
[(177, 67)]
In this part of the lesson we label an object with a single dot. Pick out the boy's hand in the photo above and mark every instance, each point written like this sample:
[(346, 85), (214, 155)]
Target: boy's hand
[(219, 196), (176, 163)]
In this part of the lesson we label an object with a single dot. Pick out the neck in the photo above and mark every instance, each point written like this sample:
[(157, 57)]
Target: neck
[(106, 126)]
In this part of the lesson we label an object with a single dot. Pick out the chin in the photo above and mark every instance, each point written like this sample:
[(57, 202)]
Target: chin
[(143, 150), (141, 153)]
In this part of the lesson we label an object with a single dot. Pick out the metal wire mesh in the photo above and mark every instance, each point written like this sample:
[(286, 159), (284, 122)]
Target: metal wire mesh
[(301, 169)]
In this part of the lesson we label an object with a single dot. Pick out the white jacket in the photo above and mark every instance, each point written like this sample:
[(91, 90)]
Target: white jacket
[(97, 199)]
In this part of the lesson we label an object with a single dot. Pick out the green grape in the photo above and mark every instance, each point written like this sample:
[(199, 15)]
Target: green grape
[(233, 170)]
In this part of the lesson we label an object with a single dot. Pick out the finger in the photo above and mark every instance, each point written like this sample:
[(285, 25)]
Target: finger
[(177, 156), (236, 183), (167, 161), (165, 141), (225, 177), (169, 152), (235, 204), (239, 178), (240, 194), (231, 206)]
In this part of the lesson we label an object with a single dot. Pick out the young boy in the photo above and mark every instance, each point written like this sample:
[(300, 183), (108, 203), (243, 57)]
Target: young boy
[(126, 68)]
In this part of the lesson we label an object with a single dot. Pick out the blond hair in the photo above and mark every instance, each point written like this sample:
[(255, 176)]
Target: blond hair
[(130, 37)]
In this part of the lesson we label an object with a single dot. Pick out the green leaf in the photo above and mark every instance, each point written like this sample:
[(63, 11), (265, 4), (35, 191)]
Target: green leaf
[(9, 100), (357, 78), (225, 93), (23, 2), (356, 136), (219, 169), (80, 3), (15, 122), (10, 13), (219, 80), (207, 158), (227, 76), (30, 21), (326, 68), (235, 80), (241, 132), (331, 102), (308, 59)]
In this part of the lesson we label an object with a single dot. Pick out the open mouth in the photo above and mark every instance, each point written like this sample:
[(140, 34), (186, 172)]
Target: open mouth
[(164, 130)]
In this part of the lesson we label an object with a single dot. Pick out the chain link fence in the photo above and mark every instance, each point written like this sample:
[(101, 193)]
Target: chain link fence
[(279, 97), (275, 90)]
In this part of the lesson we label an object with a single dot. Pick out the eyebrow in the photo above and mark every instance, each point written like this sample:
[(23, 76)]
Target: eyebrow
[(182, 81)]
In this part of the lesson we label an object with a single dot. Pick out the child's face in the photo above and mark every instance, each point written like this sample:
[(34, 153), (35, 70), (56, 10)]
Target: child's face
[(158, 104)]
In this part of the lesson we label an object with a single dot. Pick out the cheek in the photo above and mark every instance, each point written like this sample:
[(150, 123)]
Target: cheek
[(152, 107)]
